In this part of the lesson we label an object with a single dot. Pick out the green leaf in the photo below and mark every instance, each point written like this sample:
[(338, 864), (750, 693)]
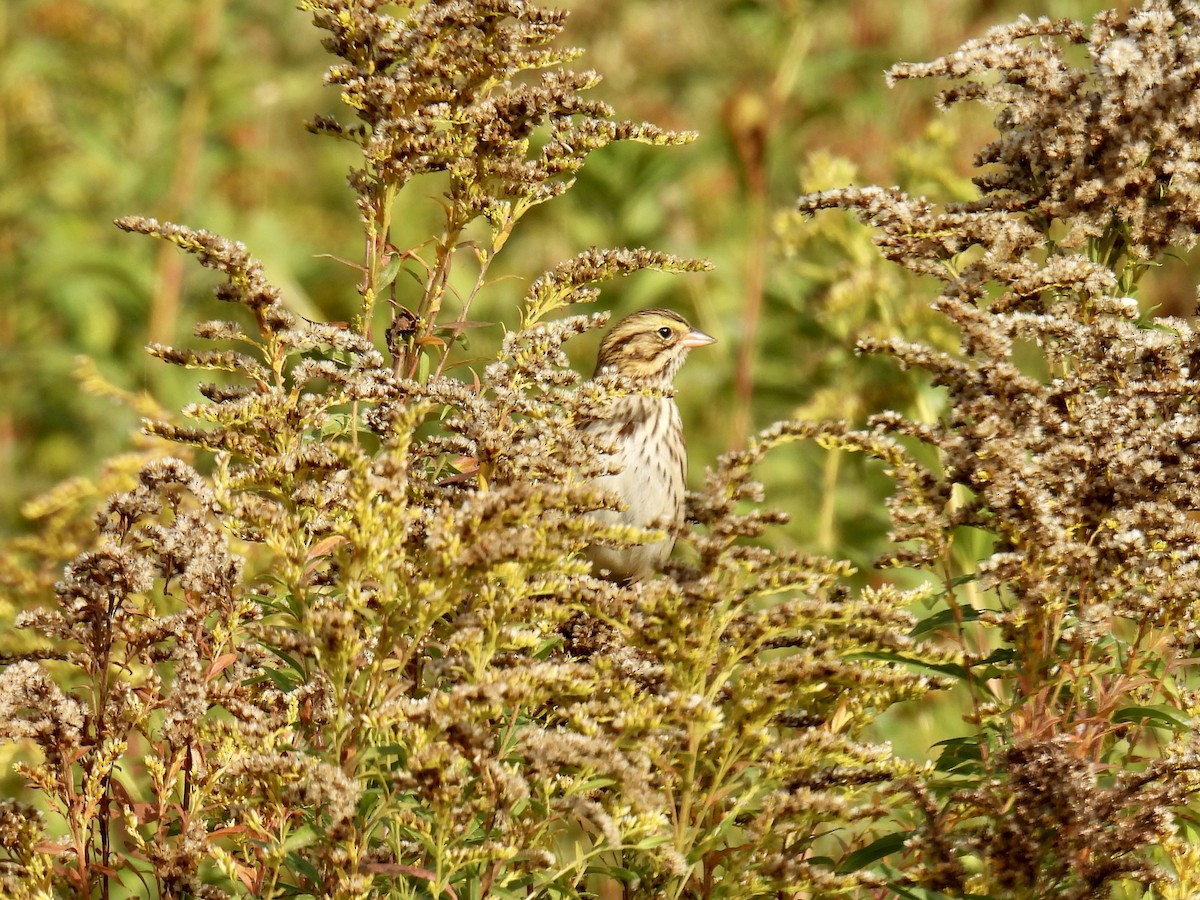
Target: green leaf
[(874, 851), (960, 580), (391, 756), (959, 753), (389, 273), (282, 680), (952, 669), (1189, 823), (617, 873), (300, 838), (649, 843), (300, 864), (548, 646), (1155, 716), (335, 423), (296, 665), (943, 618)]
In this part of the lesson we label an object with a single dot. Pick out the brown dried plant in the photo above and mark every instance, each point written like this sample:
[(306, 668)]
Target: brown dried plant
[(1068, 438), (364, 655)]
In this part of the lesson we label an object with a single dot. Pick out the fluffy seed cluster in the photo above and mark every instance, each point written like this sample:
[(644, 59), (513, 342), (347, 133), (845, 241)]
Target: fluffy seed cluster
[(156, 622), (1078, 467), (1087, 471), (1053, 823), (432, 85), (1115, 141)]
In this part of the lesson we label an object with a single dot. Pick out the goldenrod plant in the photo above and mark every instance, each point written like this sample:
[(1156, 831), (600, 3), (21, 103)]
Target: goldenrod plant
[(1065, 449), (338, 636)]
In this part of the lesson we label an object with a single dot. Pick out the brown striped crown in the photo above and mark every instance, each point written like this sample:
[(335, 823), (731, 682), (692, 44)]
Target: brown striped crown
[(649, 344)]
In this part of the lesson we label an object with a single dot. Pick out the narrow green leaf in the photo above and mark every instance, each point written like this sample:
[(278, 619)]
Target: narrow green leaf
[(874, 851), (959, 753), (951, 669), (1155, 716), (944, 618), (389, 273)]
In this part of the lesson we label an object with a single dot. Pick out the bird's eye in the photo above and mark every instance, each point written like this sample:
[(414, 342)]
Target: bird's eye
[(665, 332)]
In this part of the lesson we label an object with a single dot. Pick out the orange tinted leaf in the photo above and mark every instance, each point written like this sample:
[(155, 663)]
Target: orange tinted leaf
[(220, 664)]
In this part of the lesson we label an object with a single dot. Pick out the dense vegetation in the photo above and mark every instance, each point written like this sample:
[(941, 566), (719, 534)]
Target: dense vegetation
[(324, 627)]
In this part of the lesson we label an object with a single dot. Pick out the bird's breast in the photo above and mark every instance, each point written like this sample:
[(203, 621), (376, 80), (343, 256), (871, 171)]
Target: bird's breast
[(651, 457)]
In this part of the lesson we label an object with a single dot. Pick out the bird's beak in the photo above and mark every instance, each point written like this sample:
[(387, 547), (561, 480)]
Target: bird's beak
[(696, 338)]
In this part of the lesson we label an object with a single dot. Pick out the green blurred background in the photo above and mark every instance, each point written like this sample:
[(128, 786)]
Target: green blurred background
[(194, 112)]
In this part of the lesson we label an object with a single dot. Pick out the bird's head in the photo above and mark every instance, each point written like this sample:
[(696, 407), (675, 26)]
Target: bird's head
[(649, 344)]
